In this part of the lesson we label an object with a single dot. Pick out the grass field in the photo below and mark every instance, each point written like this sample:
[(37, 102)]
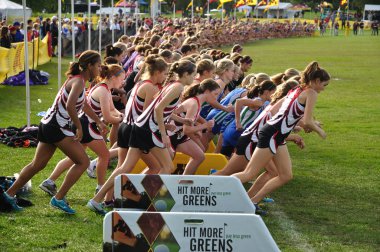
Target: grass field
[(332, 204)]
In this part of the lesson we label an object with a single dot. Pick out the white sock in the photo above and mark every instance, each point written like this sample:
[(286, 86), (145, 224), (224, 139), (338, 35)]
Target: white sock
[(96, 204)]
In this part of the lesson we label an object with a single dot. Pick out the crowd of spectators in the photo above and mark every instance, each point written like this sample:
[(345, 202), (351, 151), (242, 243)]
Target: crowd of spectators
[(211, 32)]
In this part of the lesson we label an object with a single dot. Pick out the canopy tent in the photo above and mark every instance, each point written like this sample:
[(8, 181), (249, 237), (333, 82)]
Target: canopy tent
[(126, 3), (300, 7), (281, 6), (371, 7), (14, 10), (282, 11), (123, 3), (246, 9), (371, 12), (116, 10)]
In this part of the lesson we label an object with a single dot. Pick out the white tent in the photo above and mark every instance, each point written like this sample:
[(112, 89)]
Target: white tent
[(245, 8), (14, 10), (370, 10), (282, 10)]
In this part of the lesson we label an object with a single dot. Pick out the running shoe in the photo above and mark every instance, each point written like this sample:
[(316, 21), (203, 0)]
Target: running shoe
[(259, 210), (212, 171), (49, 188), (91, 169), (268, 200), (109, 204), (96, 207), (61, 205), (12, 201)]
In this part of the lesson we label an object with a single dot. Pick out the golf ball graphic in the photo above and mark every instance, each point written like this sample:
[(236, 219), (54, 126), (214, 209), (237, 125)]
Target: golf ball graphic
[(161, 248), (160, 205)]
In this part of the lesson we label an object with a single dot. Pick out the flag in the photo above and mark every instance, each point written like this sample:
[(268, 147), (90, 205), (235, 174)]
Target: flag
[(190, 4), (262, 2), (271, 3), (213, 1), (251, 2), (240, 3), (225, 1), (219, 6), (343, 2)]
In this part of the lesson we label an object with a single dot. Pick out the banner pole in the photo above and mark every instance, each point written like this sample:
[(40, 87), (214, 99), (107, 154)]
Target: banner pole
[(26, 68), (222, 12), (192, 11), (89, 24), (72, 30), (100, 27), (112, 20), (235, 11), (125, 17), (59, 23), (173, 11)]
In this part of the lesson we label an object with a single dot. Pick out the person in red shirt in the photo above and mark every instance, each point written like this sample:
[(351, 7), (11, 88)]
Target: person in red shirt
[(29, 30)]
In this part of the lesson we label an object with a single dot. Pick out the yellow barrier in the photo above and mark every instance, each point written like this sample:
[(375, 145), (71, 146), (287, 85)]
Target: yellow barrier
[(212, 161), (4, 66), (211, 147), (43, 51), (12, 60), (281, 20)]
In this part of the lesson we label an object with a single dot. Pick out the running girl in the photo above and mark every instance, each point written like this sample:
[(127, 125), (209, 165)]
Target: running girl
[(100, 100), (298, 104), (185, 138), (55, 131), (149, 133)]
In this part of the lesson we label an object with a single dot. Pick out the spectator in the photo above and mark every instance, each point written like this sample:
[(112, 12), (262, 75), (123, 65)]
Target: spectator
[(66, 28), (336, 28), (18, 36), (375, 28), (29, 30), (5, 40), (54, 34), (36, 28), (85, 24), (12, 33), (43, 31), (361, 28), (355, 27), (115, 25)]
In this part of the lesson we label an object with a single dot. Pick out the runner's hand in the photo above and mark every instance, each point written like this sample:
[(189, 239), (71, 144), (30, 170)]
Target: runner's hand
[(78, 134), (166, 141)]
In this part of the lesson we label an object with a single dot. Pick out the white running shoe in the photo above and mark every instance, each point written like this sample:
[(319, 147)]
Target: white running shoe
[(91, 169)]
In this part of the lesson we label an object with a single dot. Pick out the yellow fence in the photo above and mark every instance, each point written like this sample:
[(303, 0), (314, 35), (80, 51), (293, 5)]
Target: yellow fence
[(213, 161), (12, 60)]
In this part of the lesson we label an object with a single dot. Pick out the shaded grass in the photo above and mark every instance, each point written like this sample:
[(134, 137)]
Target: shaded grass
[(333, 200)]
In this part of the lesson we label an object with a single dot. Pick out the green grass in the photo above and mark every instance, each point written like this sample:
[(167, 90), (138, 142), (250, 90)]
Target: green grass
[(332, 204)]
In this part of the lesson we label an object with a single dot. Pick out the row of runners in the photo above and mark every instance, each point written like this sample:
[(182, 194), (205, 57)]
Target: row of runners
[(173, 104)]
